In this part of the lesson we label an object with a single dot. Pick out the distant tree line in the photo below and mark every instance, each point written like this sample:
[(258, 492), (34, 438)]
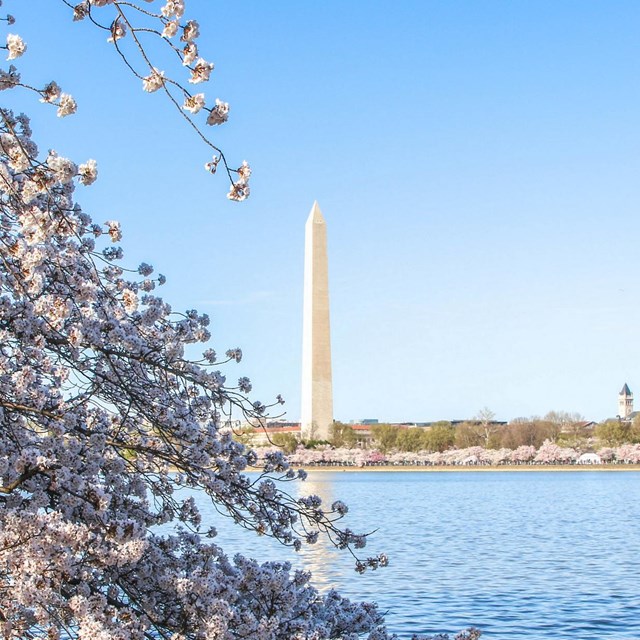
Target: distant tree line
[(548, 453), (561, 428), (558, 427)]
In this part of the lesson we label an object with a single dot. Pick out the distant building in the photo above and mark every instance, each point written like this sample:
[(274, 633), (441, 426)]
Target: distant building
[(625, 403), (259, 435), (583, 426)]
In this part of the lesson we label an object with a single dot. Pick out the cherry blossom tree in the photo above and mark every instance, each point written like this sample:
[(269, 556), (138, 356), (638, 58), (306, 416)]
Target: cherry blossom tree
[(628, 453), (375, 457), (606, 454), (524, 453), (551, 453), (103, 418)]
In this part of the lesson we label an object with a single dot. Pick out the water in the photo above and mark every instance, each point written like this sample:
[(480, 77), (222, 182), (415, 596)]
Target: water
[(536, 555)]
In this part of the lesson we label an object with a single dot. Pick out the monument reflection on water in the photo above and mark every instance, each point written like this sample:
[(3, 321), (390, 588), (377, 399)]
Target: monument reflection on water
[(321, 558)]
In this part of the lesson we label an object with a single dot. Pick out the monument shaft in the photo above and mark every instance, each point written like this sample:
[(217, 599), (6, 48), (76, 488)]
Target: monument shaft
[(317, 390)]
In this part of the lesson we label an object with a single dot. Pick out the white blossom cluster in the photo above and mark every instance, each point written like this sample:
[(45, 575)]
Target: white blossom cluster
[(549, 453)]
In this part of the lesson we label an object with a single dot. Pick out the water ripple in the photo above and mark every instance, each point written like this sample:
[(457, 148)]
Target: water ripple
[(540, 556)]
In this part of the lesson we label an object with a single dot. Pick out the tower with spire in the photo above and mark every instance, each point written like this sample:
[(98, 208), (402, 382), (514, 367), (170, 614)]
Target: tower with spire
[(625, 402)]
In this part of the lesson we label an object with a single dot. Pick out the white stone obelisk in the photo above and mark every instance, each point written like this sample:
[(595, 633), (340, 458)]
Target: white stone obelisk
[(317, 390)]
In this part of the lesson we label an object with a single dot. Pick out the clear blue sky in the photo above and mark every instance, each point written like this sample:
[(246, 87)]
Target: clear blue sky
[(477, 163)]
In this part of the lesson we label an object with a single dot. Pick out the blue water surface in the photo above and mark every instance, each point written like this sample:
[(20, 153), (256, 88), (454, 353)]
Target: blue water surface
[(536, 555)]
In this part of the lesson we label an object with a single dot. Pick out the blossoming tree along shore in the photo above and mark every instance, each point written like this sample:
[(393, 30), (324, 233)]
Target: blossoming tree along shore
[(548, 453), (103, 418)]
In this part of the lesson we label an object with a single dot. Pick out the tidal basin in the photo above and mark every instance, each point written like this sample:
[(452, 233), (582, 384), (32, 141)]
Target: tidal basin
[(536, 555)]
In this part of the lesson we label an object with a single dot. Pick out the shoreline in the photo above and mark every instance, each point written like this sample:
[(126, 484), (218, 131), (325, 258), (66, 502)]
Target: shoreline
[(467, 468)]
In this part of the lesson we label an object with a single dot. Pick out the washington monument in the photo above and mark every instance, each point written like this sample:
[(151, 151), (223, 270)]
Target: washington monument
[(317, 391)]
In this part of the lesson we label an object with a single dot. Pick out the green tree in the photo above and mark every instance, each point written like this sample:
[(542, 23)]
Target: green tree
[(342, 435), (440, 437), (616, 432), (385, 436), (286, 441), (635, 429), (410, 439)]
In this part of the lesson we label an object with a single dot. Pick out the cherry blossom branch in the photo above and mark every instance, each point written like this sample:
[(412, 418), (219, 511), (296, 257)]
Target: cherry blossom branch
[(20, 480), (103, 418), (122, 26)]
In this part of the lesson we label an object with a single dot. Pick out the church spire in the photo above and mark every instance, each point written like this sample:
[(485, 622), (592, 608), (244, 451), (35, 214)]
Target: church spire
[(625, 402)]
